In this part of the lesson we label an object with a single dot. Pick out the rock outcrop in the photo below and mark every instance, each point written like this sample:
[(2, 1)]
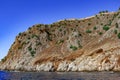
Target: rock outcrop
[(90, 44)]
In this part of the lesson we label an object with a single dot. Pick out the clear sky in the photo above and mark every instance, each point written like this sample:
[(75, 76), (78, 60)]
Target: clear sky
[(17, 15)]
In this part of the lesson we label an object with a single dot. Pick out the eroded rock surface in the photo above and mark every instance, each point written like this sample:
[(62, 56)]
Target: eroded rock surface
[(90, 44)]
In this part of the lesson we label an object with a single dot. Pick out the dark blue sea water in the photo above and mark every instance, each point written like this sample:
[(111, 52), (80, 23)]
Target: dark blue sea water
[(59, 75)]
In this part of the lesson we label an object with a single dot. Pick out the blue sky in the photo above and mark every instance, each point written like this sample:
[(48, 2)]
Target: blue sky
[(17, 15)]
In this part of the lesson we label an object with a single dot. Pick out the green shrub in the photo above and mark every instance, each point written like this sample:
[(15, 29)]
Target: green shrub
[(32, 53), (97, 16), (3, 60), (60, 29), (71, 29), (89, 24), (79, 34), (19, 41), (28, 38), (24, 34), (118, 35), (116, 25), (106, 11), (29, 28), (79, 45), (76, 25), (105, 28), (95, 28), (101, 23), (100, 33), (20, 34), (61, 41), (73, 47), (64, 32), (115, 31), (88, 31), (29, 48), (119, 9), (110, 22)]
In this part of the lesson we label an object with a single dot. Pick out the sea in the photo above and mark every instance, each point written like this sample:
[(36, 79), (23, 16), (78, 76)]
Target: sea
[(5, 75)]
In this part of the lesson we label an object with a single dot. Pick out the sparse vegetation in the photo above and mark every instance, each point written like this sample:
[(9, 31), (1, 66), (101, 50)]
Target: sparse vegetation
[(32, 53), (110, 22), (80, 46), (60, 29), (97, 16), (101, 23), (28, 38), (74, 48), (115, 31), (76, 25), (19, 34), (95, 28), (119, 9), (88, 31), (115, 15), (119, 17), (4, 59), (100, 33), (37, 26), (89, 24), (71, 29), (47, 43), (29, 48), (106, 11), (64, 32), (118, 35), (61, 41), (79, 34), (105, 28), (49, 36), (116, 25), (24, 34)]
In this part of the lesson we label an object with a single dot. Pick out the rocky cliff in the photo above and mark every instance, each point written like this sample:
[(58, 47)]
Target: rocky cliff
[(89, 44)]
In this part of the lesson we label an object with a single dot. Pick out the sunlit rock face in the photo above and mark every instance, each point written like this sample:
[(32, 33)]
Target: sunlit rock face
[(89, 44)]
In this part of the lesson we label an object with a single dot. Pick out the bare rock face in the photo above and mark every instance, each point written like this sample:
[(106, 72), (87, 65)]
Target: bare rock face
[(90, 44)]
